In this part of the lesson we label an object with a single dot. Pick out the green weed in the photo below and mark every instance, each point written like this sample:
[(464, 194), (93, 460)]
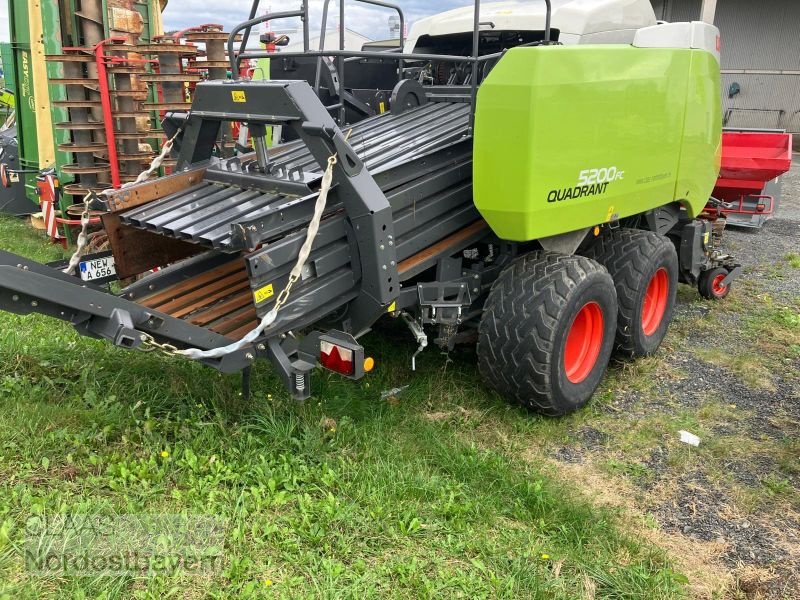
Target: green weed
[(342, 496)]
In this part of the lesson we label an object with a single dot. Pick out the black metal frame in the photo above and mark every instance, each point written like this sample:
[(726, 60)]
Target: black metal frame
[(295, 105), (395, 207), (343, 55), (389, 209), (30, 287)]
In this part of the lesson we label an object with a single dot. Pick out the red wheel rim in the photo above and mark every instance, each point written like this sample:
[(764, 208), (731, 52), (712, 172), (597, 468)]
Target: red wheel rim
[(655, 302), (584, 340), (716, 285)]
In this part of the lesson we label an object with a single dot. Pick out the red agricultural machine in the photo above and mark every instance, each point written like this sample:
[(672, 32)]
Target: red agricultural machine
[(749, 187)]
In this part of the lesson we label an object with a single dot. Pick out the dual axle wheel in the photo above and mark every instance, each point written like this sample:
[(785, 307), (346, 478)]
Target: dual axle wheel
[(551, 322)]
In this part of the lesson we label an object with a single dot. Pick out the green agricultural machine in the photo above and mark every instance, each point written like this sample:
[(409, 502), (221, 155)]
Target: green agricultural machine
[(525, 177), (52, 91)]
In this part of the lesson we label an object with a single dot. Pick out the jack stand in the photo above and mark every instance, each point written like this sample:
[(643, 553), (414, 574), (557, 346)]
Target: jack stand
[(419, 335), (247, 373)]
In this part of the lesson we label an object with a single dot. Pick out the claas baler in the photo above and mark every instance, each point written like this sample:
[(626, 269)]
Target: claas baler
[(518, 176)]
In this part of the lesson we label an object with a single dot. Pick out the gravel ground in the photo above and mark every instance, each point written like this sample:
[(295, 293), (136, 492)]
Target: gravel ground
[(704, 510), (699, 499), (757, 250)]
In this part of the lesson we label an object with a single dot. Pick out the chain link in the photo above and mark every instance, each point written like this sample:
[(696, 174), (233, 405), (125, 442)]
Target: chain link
[(149, 344), (82, 236), (294, 277), (86, 215)]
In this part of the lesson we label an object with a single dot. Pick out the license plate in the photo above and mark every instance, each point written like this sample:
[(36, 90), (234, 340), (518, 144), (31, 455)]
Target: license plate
[(98, 268)]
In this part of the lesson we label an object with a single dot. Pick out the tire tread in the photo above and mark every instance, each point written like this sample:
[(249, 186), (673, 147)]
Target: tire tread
[(624, 253), (519, 326)]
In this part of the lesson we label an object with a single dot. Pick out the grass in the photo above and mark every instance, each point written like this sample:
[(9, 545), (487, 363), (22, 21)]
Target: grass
[(442, 491)]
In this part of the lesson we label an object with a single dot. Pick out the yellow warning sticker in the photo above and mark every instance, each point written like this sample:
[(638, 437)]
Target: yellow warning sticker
[(265, 293), (610, 213), (392, 307), (239, 96), (382, 107)]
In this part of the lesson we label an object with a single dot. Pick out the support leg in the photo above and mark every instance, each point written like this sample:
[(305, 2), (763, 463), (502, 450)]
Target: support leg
[(247, 373)]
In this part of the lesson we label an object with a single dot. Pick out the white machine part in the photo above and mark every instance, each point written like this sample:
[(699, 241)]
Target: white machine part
[(695, 35), (578, 21)]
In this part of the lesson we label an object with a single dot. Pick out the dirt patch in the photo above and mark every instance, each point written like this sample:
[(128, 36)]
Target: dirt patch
[(700, 510), (698, 559), (726, 512)]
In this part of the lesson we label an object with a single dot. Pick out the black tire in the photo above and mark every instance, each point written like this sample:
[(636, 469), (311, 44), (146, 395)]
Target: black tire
[(528, 317), (708, 284), (644, 266)]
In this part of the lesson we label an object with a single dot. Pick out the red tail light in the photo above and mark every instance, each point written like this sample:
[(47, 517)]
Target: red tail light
[(337, 358)]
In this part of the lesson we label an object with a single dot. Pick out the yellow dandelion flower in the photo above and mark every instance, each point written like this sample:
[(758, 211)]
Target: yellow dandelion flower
[(164, 454), (268, 583), (545, 557)]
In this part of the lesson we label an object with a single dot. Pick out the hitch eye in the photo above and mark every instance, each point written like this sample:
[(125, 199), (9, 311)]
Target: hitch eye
[(337, 358)]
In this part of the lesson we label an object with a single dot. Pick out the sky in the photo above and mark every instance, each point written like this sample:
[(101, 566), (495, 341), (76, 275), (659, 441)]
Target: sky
[(368, 21)]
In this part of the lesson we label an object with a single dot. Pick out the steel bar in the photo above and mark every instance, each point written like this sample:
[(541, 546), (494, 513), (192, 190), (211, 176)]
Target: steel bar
[(108, 119)]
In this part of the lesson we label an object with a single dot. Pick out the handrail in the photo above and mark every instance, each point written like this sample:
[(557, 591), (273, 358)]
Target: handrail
[(246, 34), (547, 18), (476, 42), (340, 61), (235, 58), (343, 55), (373, 54)]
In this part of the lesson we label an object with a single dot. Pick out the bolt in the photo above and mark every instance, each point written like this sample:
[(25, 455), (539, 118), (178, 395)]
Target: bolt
[(393, 263), (34, 304), (476, 277), (383, 247), (15, 298), (261, 347), (384, 267), (143, 337), (249, 356), (475, 290), (391, 243)]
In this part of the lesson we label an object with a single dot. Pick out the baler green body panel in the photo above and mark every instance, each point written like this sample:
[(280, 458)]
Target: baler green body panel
[(572, 137)]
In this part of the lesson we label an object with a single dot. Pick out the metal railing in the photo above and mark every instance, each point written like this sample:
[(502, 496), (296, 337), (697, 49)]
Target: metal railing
[(340, 61), (341, 55)]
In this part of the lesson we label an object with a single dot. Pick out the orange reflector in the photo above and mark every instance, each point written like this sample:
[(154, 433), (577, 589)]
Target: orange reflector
[(369, 364)]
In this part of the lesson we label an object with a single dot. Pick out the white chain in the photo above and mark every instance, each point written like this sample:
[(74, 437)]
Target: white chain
[(294, 276), (283, 297), (83, 238)]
